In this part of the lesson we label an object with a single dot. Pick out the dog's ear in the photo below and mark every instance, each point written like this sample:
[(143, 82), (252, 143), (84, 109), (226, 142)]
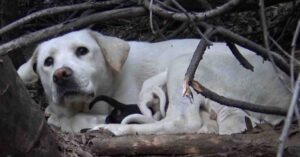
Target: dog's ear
[(115, 50), (27, 71)]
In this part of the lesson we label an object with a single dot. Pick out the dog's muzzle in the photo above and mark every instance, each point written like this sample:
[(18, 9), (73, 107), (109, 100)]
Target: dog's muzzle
[(66, 84), (62, 76)]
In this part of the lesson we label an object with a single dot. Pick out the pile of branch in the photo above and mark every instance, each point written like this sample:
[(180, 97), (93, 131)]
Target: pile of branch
[(178, 13), (173, 10)]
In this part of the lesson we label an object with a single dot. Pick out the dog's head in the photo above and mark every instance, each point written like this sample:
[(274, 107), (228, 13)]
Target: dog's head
[(76, 66)]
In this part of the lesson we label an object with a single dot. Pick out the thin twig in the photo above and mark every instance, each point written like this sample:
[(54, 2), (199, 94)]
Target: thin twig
[(166, 26), (4, 90), (192, 21), (286, 85), (159, 31), (151, 18), (57, 10), (284, 134), (259, 50), (297, 115), (289, 21), (243, 61), (236, 103), (166, 6), (266, 41), (69, 26), (282, 50), (197, 57), (235, 38), (196, 16), (293, 46), (181, 28), (264, 23)]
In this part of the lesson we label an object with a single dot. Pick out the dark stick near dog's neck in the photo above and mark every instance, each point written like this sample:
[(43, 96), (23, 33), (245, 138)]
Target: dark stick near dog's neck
[(109, 100)]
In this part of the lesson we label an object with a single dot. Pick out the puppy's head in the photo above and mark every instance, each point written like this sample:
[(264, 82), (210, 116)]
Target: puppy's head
[(76, 66)]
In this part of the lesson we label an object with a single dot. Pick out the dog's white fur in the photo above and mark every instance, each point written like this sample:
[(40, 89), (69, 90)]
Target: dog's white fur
[(108, 69)]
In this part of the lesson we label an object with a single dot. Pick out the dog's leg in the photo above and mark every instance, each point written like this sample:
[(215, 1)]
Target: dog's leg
[(70, 121), (80, 121), (55, 114), (209, 126)]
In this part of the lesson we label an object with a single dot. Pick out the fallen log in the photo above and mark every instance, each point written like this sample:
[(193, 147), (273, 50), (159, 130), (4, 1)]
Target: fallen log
[(257, 143)]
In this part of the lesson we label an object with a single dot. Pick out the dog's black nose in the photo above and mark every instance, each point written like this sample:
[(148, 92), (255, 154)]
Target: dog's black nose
[(62, 75)]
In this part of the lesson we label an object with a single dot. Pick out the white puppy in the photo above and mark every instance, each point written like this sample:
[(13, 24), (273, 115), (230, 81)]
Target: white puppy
[(77, 66)]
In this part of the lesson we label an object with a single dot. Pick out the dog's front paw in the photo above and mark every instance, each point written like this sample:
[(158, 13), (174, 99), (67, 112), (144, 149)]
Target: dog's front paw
[(232, 125), (207, 130), (54, 121), (116, 129)]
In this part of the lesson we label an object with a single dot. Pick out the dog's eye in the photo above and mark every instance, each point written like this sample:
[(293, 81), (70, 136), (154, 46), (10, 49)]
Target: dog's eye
[(49, 61), (81, 51)]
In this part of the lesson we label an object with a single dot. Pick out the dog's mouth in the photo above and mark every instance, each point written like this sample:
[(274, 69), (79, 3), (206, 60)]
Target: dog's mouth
[(76, 100), (74, 93), (71, 92)]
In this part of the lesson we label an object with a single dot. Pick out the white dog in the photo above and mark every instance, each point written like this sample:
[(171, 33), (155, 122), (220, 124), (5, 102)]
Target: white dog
[(77, 66)]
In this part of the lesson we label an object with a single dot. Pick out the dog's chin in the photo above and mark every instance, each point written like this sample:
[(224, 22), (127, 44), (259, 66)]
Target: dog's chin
[(75, 97), (77, 101), (71, 94)]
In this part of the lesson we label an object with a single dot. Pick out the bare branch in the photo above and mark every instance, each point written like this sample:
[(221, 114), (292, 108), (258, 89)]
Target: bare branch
[(259, 50), (235, 38), (284, 135), (253, 5), (266, 40), (166, 6), (293, 46), (264, 23), (282, 50), (196, 16), (192, 21), (239, 56), (69, 26), (151, 18), (159, 31), (197, 57), (181, 28), (57, 10), (236, 103)]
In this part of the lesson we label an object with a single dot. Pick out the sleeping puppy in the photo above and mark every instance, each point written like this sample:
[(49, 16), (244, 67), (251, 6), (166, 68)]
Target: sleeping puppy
[(119, 112), (130, 113)]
